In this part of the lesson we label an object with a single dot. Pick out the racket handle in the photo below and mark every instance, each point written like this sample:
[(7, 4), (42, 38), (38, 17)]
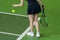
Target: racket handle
[(43, 14)]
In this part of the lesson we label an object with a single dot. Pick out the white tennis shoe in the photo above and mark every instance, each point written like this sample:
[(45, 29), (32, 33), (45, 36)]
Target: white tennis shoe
[(38, 35), (30, 34)]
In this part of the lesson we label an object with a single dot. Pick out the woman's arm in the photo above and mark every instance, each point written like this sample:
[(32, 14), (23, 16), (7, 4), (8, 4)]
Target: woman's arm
[(40, 3), (20, 4)]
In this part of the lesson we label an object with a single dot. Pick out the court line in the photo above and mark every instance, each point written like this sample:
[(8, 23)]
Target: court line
[(9, 33), (13, 14), (23, 34)]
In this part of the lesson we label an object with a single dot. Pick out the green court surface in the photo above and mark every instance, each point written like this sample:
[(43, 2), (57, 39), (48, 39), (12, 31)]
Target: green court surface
[(18, 24)]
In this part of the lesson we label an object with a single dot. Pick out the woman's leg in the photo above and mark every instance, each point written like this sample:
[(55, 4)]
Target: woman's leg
[(37, 25), (31, 22), (31, 33)]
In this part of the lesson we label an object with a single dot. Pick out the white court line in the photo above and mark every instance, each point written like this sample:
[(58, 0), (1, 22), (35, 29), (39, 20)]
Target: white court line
[(23, 34), (13, 14), (16, 14), (9, 33)]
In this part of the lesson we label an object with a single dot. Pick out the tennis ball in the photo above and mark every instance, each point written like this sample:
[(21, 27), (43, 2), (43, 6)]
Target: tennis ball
[(13, 10)]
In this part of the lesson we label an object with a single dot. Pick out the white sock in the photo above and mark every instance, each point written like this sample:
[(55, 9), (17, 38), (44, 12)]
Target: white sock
[(38, 32)]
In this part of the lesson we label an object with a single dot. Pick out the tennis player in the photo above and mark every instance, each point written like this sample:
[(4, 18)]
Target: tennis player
[(34, 7)]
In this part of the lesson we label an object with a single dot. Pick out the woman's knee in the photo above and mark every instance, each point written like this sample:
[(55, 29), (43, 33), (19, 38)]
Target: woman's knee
[(36, 18), (31, 18)]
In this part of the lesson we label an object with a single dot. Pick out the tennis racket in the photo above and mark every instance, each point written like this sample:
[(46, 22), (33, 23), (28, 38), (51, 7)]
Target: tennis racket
[(43, 20)]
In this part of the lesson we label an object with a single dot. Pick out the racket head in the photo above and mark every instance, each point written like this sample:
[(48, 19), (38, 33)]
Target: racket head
[(43, 20)]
